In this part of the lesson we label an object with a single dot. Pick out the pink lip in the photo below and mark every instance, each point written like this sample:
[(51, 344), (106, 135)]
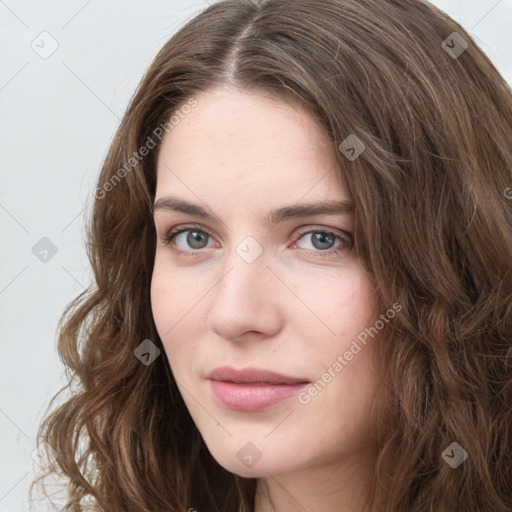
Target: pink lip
[(252, 375), (252, 389)]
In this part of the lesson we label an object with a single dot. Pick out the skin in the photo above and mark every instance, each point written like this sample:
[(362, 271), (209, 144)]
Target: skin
[(293, 310)]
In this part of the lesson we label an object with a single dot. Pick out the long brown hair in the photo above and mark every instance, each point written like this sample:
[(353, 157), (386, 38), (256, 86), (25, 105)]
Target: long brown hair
[(433, 227)]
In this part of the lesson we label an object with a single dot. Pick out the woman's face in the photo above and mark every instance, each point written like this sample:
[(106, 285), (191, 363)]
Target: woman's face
[(256, 287)]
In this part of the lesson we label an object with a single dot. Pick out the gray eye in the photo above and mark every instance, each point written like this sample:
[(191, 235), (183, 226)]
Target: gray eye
[(318, 241), (322, 240), (194, 239)]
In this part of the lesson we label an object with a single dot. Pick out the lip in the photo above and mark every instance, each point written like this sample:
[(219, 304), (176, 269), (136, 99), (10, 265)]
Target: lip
[(252, 389), (252, 375)]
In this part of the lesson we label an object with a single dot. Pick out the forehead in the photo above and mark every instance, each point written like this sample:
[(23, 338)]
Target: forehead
[(251, 141)]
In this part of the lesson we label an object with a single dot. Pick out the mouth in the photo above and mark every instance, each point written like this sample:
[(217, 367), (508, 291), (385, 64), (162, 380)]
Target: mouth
[(252, 389), (255, 376), (251, 383)]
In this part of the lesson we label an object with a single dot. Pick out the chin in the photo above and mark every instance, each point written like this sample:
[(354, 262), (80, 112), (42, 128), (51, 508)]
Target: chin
[(239, 462)]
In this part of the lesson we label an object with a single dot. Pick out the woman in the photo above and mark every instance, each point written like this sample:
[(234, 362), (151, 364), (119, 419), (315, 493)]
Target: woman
[(301, 242)]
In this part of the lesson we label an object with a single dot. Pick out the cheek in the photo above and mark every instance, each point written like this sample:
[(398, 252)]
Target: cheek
[(347, 306), (177, 308), (174, 294), (164, 303), (346, 382)]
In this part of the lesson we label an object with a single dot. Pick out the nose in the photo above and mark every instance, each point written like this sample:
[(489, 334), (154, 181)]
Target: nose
[(245, 301)]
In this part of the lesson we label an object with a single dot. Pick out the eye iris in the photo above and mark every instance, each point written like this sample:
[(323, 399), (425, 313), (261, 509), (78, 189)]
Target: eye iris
[(322, 238), (194, 238)]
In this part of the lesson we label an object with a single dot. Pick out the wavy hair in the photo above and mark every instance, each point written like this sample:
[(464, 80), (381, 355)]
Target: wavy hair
[(433, 227)]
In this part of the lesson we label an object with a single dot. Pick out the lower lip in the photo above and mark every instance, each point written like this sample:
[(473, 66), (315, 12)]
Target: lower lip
[(252, 397)]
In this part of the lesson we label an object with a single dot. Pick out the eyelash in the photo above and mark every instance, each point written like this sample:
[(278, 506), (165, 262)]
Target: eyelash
[(346, 243)]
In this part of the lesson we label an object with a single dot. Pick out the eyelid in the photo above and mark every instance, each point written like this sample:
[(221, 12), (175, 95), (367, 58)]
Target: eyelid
[(322, 229)]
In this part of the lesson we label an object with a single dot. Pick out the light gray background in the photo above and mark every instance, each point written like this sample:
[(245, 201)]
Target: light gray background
[(58, 115)]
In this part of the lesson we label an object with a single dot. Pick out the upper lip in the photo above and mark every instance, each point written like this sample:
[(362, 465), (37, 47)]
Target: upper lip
[(252, 375)]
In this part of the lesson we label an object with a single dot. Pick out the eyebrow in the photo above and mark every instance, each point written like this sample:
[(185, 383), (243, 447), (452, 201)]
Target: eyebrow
[(344, 206)]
